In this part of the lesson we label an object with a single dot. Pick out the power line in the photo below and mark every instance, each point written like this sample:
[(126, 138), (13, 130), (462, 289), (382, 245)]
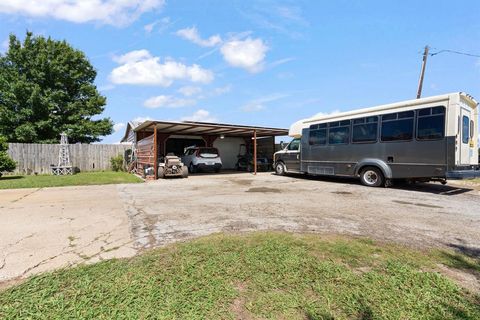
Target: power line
[(455, 52)]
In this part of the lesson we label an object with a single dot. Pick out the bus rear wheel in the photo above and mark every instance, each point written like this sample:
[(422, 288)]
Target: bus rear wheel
[(372, 177)]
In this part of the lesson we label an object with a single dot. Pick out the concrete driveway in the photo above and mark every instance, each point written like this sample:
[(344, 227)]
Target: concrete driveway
[(43, 229)]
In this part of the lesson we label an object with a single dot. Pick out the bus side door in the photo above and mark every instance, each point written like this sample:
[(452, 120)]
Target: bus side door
[(466, 137)]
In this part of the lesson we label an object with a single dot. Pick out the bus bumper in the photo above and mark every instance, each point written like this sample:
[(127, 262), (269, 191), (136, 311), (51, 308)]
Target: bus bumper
[(463, 174)]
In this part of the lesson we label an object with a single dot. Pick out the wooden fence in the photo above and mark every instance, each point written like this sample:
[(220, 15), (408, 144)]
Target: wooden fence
[(34, 158)]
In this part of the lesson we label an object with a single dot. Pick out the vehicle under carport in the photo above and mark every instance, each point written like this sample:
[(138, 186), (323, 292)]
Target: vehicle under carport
[(154, 139)]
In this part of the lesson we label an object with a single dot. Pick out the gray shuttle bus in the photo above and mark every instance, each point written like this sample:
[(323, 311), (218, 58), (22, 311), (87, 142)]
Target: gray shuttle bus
[(427, 139)]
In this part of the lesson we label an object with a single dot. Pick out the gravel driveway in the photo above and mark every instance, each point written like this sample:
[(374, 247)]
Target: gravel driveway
[(43, 229), (423, 215)]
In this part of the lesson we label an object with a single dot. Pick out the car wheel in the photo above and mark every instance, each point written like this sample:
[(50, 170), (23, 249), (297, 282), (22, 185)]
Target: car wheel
[(161, 172), (184, 172), (280, 169), (372, 177)]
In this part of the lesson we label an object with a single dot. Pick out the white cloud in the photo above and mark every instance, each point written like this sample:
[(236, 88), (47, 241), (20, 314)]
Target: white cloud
[(200, 115), (118, 126), (248, 54), (159, 25), (164, 101), (294, 14), (280, 62), (113, 12), (139, 120), (260, 103), (192, 35), (189, 91), (133, 56), (141, 68), (287, 20), (221, 90), (325, 114)]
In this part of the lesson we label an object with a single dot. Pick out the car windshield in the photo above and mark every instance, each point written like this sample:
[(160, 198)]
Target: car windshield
[(208, 152)]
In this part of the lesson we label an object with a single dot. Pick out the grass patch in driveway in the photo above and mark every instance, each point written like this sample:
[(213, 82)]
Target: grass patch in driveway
[(79, 179), (258, 275)]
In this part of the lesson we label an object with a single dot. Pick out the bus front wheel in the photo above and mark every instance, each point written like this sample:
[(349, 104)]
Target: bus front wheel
[(372, 177), (280, 169)]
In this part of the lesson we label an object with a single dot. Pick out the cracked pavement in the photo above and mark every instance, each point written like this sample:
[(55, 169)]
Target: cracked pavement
[(49, 228)]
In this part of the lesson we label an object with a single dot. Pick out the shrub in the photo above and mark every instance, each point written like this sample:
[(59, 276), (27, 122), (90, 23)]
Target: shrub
[(117, 163), (6, 163)]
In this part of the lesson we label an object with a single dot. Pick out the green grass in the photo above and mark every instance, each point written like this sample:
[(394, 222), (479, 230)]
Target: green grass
[(259, 275), (79, 179)]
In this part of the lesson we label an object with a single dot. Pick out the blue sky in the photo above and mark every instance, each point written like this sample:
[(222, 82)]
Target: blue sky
[(257, 62)]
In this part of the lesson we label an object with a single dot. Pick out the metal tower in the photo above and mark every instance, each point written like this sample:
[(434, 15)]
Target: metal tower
[(64, 166)]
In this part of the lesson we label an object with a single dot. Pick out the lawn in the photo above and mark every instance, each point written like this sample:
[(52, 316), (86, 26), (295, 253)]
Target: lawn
[(259, 275), (79, 179)]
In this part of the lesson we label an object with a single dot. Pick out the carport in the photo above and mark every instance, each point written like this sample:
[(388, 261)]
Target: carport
[(154, 138)]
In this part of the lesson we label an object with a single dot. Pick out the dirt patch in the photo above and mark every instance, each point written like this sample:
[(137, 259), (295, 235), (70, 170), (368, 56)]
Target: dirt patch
[(418, 204), (10, 283), (242, 182), (341, 192), (238, 305), (264, 190), (239, 226), (464, 279)]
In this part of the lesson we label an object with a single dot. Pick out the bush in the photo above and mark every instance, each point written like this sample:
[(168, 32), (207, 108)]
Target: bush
[(6, 163), (117, 163)]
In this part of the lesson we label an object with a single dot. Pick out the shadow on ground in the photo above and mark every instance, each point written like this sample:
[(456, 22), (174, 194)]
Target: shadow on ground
[(434, 188), (11, 178)]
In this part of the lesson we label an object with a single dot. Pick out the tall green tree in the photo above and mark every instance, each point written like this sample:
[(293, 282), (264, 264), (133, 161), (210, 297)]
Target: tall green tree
[(47, 87), (6, 163)]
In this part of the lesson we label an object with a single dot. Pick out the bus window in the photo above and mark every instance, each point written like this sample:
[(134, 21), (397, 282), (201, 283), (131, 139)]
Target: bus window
[(465, 129), (294, 145), (431, 123), (339, 132), (365, 130), (317, 136), (397, 126)]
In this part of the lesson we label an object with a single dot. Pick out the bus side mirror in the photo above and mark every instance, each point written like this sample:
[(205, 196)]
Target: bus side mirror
[(282, 145)]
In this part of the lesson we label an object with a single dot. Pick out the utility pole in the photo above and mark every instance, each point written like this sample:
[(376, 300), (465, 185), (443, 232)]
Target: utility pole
[(422, 73)]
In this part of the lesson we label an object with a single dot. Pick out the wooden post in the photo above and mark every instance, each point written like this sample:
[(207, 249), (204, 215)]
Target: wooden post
[(155, 153), (254, 151), (422, 72)]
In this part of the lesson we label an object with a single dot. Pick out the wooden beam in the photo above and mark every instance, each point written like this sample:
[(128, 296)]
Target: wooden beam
[(170, 127), (155, 153), (215, 130), (183, 130), (255, 152)]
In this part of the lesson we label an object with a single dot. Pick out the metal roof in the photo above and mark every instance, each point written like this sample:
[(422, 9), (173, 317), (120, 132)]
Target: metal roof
[(207, 128)]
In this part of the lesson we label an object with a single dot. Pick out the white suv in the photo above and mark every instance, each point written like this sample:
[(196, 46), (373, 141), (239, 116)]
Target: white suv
[(202, 158)]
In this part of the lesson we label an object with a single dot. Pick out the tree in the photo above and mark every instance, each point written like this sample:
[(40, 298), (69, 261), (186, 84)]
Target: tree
[(47, 87), (6, 163)]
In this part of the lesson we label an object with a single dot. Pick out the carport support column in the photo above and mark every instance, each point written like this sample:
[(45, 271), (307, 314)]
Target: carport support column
[(254, 151), (155, 153), (209, 140)]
